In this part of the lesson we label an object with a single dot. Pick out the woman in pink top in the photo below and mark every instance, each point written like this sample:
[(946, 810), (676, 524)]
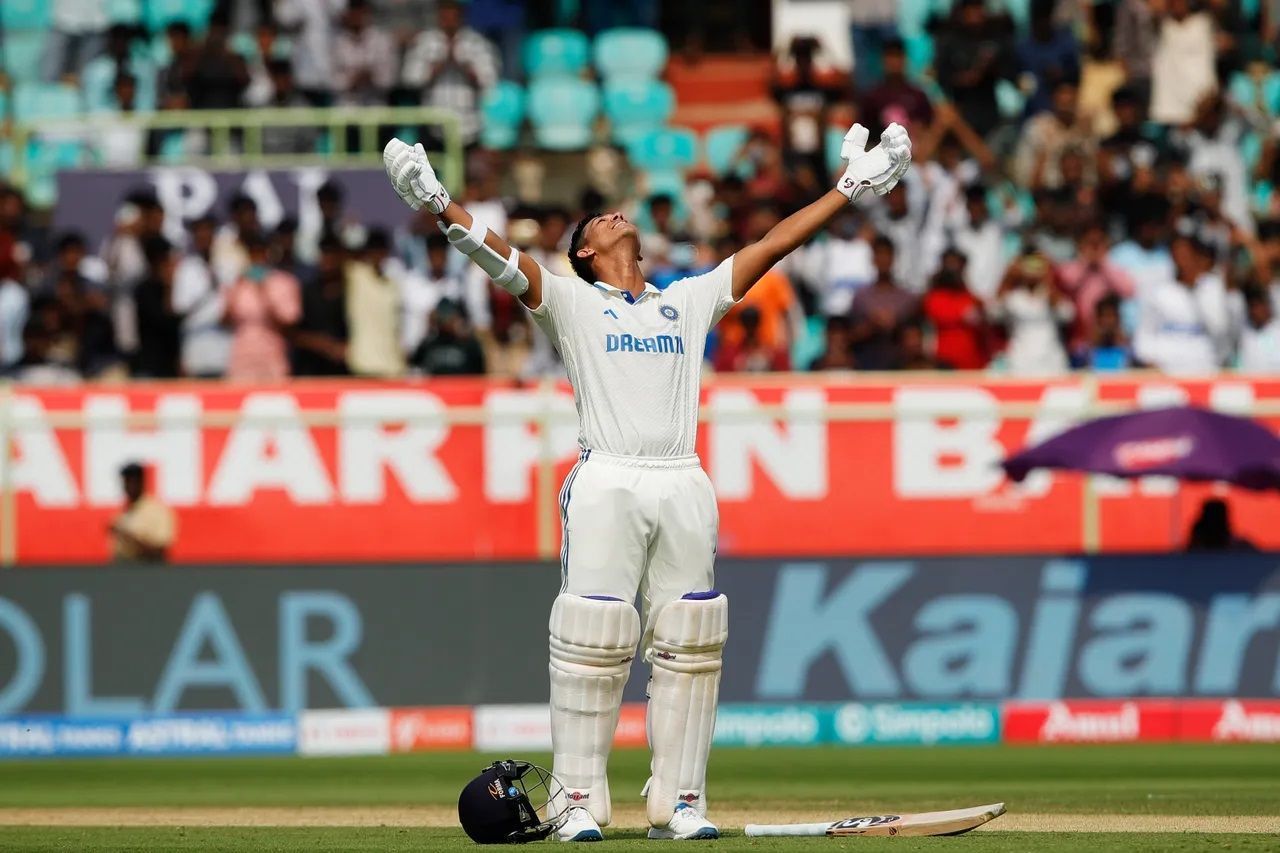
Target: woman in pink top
[(261, 306)]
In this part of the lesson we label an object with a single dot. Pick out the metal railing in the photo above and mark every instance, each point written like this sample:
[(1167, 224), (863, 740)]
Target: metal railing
[(235, 137), (548, 415)]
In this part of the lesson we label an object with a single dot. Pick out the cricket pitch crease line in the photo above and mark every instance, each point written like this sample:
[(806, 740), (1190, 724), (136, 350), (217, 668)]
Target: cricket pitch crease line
[(732, 818)]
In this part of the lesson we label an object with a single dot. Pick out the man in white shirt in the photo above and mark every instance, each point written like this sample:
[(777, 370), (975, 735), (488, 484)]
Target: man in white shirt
[(1183, 320), (638, 514), (1260, 339)]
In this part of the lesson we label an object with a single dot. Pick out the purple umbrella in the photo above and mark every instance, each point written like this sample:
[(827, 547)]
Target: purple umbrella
[(1186, 442)]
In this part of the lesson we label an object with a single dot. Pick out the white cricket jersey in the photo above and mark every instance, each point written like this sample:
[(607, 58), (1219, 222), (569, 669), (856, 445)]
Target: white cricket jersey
[(635, 366)]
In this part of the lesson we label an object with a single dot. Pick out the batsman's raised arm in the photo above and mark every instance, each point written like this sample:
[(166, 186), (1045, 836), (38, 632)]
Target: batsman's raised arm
[(416, 183), (878, 170)]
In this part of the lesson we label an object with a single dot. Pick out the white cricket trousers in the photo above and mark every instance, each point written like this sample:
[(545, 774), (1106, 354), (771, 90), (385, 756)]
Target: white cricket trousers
[(633, 524)]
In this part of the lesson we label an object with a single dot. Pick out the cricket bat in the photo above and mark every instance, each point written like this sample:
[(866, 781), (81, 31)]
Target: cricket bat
[(954, 822)]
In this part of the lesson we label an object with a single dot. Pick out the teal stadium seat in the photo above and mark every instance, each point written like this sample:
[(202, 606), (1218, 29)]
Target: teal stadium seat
[(25, 14), (501, 112), (22, 52), (629, 53), (722, 144), (634, 107), (913, 15), (562, 111), (1010, 100), (160, 13), (1244, 90), (919, 50), (832, 139), (35, 101), (555, 53), (663, 155), (124, 11)]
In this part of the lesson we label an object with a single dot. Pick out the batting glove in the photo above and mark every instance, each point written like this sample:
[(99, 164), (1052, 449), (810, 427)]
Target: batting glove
[(879, 169), (413, 178)]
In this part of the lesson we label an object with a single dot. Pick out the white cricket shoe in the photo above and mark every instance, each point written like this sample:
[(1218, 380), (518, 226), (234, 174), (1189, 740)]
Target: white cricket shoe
[(579, 826), (687, 824)]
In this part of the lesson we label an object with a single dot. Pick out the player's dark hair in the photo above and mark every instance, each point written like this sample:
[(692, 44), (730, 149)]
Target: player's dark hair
[(581, 266)]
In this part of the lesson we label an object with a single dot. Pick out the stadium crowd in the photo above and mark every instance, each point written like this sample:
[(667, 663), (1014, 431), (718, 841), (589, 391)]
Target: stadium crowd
[(1096, 186)]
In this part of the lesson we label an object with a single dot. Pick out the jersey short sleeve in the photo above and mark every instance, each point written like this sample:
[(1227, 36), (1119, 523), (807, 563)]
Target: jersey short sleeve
[(553, 313), (709, 295)]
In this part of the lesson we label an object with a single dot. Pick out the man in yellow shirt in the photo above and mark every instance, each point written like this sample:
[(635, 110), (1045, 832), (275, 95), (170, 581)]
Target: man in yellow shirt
[(145, 529)]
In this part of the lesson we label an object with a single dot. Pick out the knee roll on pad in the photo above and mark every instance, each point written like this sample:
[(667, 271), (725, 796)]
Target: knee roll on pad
[(505, 272), (593, 641), (687, 653)]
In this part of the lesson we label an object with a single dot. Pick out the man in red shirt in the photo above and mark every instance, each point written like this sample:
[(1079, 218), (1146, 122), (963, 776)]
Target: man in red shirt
[(959, 325)]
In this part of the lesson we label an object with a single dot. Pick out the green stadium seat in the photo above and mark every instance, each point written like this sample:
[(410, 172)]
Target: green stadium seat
[(913, 15), (22, 53), (25, 14), (502, 111), (629, 53), (45, 158), (555, 53), (562, 111), (722, 144), (160, 13), (634, 107), (35, 101)]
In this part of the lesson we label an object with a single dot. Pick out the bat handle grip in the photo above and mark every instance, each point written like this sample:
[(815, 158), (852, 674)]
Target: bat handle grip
[(759, 830)]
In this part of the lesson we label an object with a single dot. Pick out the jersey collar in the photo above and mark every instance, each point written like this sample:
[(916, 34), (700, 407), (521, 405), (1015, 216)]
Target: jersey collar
[(626, 294)]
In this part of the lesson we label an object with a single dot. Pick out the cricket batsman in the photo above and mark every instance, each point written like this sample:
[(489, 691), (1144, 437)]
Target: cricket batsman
[(638, 513)]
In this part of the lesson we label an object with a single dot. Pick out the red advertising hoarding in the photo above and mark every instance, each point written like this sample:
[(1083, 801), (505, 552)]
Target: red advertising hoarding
[(347, 470)]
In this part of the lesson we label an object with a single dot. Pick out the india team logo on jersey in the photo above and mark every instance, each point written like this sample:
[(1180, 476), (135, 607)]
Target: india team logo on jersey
[(670, 312), (635, 343)]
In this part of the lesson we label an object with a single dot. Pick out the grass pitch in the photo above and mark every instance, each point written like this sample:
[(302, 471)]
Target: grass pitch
[(1125, 798)]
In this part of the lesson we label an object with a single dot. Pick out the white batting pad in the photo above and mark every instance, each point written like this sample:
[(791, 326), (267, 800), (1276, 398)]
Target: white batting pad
[(687, 652), (593, 641)]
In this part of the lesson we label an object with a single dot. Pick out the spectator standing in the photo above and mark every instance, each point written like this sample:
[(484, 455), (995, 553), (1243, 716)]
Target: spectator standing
[(805, 94), (1048, 55), (145, 529), (973, 54), (71, 258), (1183, 320), (320, 340), (451, 348), (138, 219), (421, 292), (119, 140), (312, 24), (266, 50), (838, 267), (1144, 256), (364, 58), (453, 66), (1134, 43), (121, 56), (1035, 315), (74, 39), (982, 239), (228, 256), (873, 24), (879, 310), (282, 139), (1260, 338), (206, 344), (1048, 135), (1182, 67), (749, 353), (1091, 277), (262, 306), (159, 325), (1214, 144), (373, 312), (895, 98), (219, 75), (956, 315), (174, 80)]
